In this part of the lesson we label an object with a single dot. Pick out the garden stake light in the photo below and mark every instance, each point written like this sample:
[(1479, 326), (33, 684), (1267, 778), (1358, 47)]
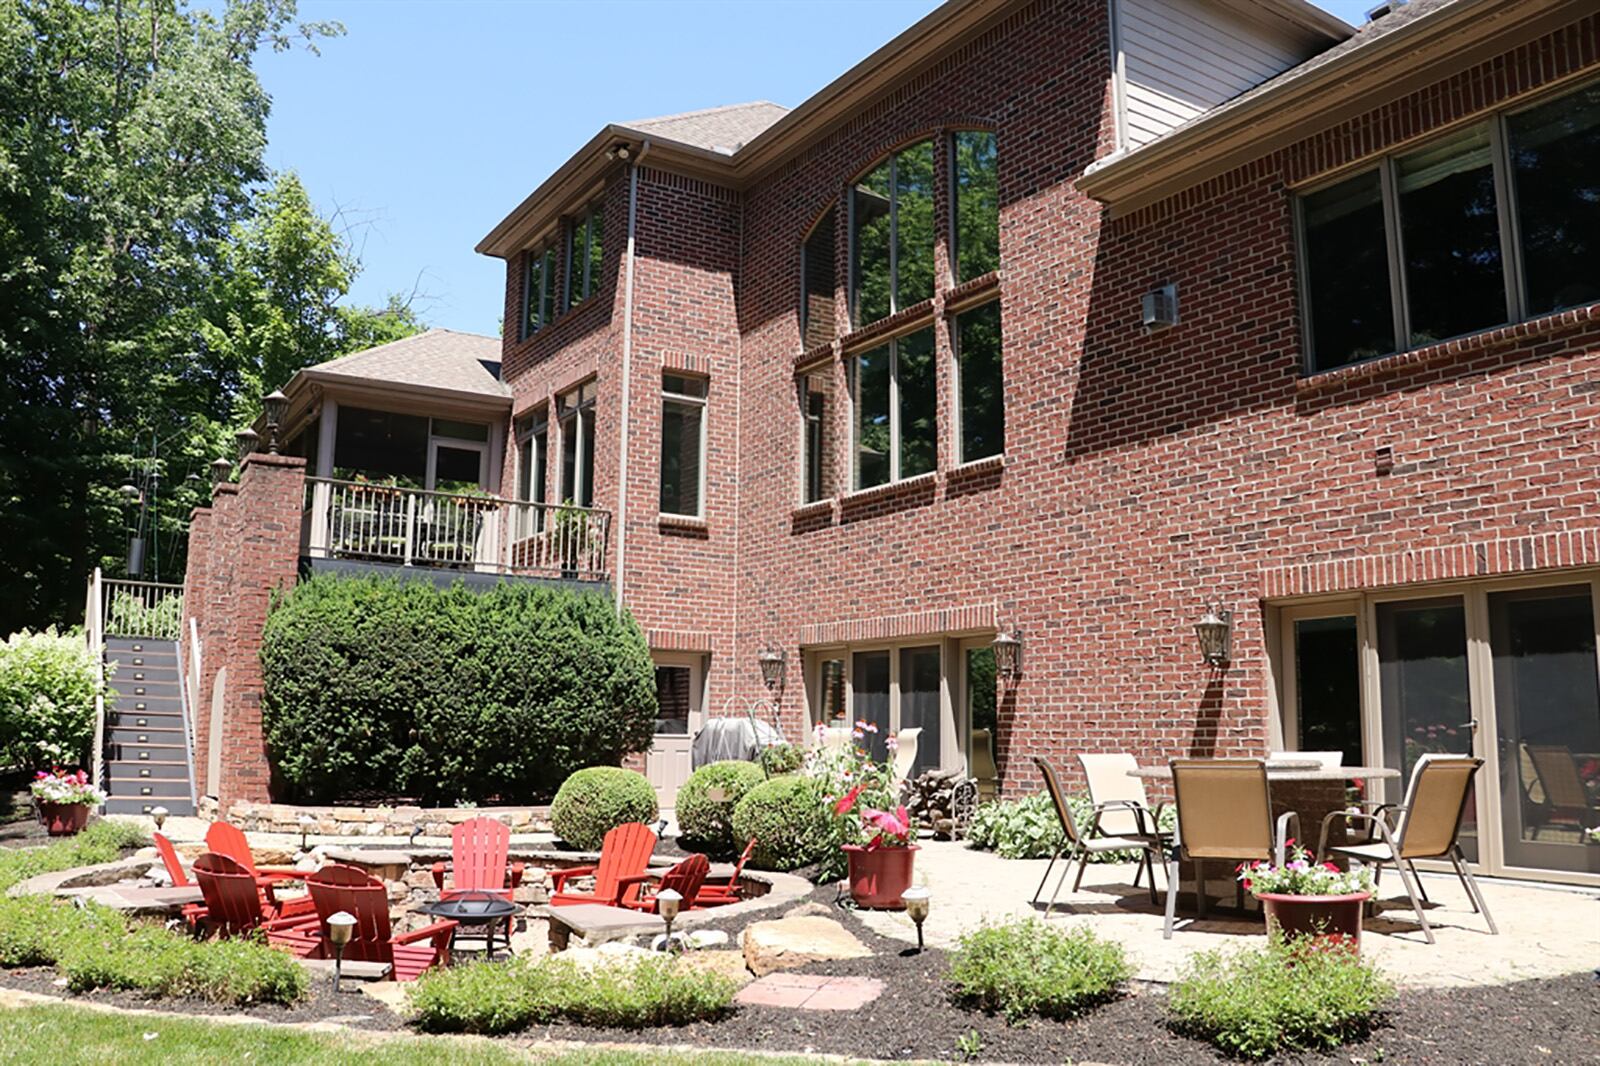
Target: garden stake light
[(667, 904), (306, 824), (158, 815), (340, 928), (917, 898)]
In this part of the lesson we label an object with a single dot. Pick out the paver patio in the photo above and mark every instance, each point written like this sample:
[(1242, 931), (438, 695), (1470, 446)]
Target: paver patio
[(1545, 931), (807, 991)]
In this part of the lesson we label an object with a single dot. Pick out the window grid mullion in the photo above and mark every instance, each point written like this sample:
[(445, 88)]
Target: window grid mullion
[(894, 234), (1510, 244), (894, 411), (1397, 270)]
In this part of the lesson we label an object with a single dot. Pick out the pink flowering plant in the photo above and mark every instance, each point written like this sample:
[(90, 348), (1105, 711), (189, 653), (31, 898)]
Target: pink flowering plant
[(59, 786), (1301, 876), (859, 789)]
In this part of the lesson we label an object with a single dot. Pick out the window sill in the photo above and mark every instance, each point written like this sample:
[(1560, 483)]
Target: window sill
[(906, 486), (1545, 327), (970, 294), (812, 509), (887, 328), (979, 466), (683, 522)]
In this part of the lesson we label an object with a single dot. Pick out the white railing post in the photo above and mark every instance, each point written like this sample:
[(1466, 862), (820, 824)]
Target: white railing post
[(411, 527), (94, 629), (321, 501)]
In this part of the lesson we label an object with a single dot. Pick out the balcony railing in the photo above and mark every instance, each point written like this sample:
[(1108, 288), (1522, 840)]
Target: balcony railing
[(479, 532)]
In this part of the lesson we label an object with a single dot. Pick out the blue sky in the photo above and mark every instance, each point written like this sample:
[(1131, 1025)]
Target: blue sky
[(428, 121)]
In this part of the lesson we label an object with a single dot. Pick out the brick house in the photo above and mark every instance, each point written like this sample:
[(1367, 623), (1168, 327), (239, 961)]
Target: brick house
[(1070, 321)]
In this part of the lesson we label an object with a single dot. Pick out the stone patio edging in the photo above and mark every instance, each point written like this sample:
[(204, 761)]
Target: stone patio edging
[(381, 821)]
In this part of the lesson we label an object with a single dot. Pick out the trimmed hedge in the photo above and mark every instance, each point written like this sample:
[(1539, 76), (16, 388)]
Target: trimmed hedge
[(47, 688), (791, 822), (706, 822), (378, 687), (592, 802)]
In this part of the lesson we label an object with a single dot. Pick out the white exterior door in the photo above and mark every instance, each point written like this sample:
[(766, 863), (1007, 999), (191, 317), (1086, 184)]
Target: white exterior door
[(680, 691)]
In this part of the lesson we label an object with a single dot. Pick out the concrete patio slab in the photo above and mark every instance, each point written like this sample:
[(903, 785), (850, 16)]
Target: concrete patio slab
[(1545, 930)]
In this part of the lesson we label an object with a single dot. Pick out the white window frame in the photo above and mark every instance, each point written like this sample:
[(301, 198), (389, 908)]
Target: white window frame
[(952, 739), (686, 400), (570, 406), (546, 259), (854, 369), (582, 223)]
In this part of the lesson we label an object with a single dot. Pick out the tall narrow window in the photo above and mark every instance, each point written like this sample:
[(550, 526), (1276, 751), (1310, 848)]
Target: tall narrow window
[(538, 291), (976, 189), (1450, 233), (817, 284), (575, 411), (896, 410), (891, 235), (683, 444), (980, 383), (533, 453), (1349, 297), (1555, 163), (585, 254), (816, 406)]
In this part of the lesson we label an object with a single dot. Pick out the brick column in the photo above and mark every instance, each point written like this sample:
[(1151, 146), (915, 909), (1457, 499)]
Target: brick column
[(207, 589)]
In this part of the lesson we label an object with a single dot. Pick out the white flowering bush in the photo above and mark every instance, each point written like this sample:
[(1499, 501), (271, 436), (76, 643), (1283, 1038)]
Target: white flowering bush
[(1301, 876), (48, 684), (60, 786)]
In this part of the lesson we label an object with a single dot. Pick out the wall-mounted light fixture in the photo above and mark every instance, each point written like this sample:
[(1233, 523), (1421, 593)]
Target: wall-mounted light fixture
[(1008, 653), (774, 667), (1215, 633)]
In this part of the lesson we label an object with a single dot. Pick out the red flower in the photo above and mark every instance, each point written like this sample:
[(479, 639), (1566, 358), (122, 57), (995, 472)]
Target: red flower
[(847, 801), (1331, 866)]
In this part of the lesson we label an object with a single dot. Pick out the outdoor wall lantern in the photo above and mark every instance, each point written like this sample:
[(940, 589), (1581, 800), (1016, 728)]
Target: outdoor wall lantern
[(1215, 632), (220, 469), (275, 405), (1008, 653), (341, 927), (917, 899), (774, 666), (247, 439)]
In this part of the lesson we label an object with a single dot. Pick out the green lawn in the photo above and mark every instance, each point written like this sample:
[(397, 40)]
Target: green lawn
[(72, 1035)]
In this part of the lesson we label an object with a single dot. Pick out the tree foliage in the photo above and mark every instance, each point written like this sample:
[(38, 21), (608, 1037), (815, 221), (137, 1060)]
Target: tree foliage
[(151, 282)]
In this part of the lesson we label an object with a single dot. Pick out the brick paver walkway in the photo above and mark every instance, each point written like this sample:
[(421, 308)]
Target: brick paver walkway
[(805, 991)]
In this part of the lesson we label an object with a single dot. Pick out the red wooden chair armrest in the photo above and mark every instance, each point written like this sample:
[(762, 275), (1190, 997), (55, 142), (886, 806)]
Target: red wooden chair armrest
[(279, 873), (516, 873), (438, 875), (300, 925), (438, 932), (559, 878), (296, 907), (638, 903)]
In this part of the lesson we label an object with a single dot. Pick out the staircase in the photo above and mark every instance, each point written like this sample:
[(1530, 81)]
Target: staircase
[(147, 744), (142, 753)]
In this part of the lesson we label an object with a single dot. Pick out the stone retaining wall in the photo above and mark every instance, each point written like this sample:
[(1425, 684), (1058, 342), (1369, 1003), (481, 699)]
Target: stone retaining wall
[(376, 821)]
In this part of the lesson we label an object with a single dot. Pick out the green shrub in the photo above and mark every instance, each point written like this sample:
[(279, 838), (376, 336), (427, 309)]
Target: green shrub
[(1028, 828), (503, 997), (48, 683), (790, 821), (1031, 968), (781, 759), (101, 841), (706, 822), (39, 930), (1298, 994), (592, 802), (375, 686)]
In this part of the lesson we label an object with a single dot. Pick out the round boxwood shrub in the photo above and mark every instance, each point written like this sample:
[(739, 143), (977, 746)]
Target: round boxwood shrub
[(706, 822), (791, 823), (592, 802), (383, 689)]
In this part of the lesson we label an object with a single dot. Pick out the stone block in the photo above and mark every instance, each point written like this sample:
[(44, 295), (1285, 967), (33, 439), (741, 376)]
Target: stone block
[(787, 943)]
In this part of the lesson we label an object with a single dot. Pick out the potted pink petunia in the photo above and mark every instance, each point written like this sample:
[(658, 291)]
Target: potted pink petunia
[(65, 800), (1306, 898), (880, 869)]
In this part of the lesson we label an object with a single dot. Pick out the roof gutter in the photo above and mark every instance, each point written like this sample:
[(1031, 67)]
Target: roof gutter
[(625, 421), (1410, 57)]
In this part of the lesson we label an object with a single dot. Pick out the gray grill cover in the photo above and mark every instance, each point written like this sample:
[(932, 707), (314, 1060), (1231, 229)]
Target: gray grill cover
[(732, 738)]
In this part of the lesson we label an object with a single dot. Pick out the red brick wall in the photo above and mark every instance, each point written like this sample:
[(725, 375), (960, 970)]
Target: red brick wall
[(1145, 475)]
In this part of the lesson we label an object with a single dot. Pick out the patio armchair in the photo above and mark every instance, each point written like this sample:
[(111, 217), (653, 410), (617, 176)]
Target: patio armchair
[(717, 891), (479, 848), (1562, 798), (1121, 798), (1224, 812), (180, 879), (1079, 845), (236, 904), (1426, 826), (336, 888), (223, 838), (685, 879), (624, 852)]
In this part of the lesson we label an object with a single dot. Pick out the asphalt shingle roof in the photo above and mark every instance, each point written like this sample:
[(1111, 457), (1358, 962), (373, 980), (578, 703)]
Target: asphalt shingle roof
[(719, 129), (435, 359)]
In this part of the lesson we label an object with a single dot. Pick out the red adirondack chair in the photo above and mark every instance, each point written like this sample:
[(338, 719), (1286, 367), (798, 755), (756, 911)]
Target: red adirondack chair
[(624, 852), (226, 839), (713, 893), (234, 903), (336, 888), (478, 850), (179, 879), (685, 878)]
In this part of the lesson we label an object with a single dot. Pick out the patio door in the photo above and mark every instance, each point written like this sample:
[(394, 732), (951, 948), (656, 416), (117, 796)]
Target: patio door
[(680, 697)]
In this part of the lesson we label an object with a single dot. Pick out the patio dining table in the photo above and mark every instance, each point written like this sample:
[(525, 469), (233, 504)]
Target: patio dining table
[(1304, 786)]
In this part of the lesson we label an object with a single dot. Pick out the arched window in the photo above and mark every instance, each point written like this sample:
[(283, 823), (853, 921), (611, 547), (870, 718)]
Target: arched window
[(891, 235)]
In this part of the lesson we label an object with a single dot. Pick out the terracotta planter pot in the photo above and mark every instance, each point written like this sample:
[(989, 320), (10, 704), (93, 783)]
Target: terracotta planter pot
[(879, 877), (64, 819), (1334, 919)]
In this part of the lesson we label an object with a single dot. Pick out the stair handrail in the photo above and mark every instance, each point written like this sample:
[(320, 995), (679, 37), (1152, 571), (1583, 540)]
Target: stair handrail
[(94, 632), (188, 694)]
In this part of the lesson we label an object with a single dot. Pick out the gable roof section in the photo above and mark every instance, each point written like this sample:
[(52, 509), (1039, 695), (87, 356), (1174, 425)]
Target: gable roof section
[(463, 365), (717, 129)]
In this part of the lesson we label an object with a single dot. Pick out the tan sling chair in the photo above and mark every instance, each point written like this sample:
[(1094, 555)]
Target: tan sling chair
[(1080, 845), (1428, 827), (1121, 795)]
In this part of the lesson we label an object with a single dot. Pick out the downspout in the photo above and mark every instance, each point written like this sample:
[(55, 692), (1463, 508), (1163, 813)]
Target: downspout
[(627, 373)]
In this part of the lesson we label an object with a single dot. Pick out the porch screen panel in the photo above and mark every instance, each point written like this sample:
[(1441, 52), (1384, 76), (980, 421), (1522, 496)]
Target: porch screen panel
[(920, 703), (870, 688), (1547, 712), (1423, 690), (381, 446)]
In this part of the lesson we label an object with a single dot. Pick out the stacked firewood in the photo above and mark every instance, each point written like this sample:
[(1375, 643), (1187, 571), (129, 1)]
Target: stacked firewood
[(927, 797)]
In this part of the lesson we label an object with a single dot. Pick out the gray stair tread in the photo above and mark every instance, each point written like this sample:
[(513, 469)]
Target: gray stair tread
[(160, 708)]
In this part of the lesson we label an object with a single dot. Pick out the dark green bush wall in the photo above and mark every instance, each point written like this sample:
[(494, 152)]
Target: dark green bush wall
[(377, 687)]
